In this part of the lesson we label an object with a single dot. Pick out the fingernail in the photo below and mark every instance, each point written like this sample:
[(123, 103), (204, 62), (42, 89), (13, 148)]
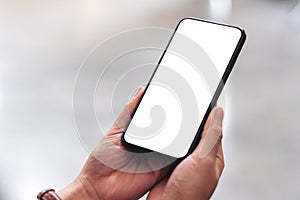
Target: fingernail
[(138, 91), (212, 137), (218, 116)]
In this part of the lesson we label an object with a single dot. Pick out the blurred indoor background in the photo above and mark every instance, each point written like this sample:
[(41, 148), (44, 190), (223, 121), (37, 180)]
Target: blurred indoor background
[(43, 43)]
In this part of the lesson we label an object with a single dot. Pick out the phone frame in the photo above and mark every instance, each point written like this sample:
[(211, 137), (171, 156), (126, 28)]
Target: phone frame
[(215, 97)]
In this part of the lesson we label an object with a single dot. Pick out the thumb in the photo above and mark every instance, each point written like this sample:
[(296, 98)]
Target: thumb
[(128, 110), (135, 100), (211, 141)]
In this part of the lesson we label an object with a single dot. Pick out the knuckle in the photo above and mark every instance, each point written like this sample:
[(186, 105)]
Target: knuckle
[(216, 128), (216, 131), (209, 161)]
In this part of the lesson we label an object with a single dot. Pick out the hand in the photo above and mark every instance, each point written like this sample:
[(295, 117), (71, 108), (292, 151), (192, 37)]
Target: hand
[(111, 172), (194, 178), (197, 176)]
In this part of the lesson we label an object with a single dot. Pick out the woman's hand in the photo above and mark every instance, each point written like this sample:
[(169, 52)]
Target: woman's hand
[(197, 176), (111, 171)]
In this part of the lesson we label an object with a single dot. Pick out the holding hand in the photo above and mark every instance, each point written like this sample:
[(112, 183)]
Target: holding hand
[(196, 177), (130, 176)]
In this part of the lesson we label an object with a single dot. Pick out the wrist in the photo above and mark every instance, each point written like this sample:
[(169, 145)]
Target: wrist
[(79, 189)]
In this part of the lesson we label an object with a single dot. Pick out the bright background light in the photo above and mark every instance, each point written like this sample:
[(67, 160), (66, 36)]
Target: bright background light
[(220, 9)]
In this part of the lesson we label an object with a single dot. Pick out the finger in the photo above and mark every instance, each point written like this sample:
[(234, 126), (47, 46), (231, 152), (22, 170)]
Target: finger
[(220, 152), (157, 190), (207, 123), (211, 140), (135, 100), (220, 160), (127, 111)]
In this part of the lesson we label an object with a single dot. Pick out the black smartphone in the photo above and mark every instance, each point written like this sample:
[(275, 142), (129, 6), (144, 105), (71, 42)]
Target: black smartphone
[(184, 88)]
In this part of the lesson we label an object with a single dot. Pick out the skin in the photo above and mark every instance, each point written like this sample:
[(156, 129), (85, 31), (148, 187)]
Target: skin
[(196, 177)]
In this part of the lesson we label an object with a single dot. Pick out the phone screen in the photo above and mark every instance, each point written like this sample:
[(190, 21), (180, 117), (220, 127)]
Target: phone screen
[(198, 59)]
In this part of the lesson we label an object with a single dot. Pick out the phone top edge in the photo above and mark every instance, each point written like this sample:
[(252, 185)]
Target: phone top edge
[(242, 30)]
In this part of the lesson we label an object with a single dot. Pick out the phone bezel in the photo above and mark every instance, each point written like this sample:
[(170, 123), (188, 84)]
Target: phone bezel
[(215, 97)]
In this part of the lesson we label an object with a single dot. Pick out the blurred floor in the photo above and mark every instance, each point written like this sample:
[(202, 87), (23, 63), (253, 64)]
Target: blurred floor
[(42, 44)]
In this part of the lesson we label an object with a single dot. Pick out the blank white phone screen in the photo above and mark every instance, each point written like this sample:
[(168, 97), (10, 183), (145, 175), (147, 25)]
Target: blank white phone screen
[(181, 89)]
